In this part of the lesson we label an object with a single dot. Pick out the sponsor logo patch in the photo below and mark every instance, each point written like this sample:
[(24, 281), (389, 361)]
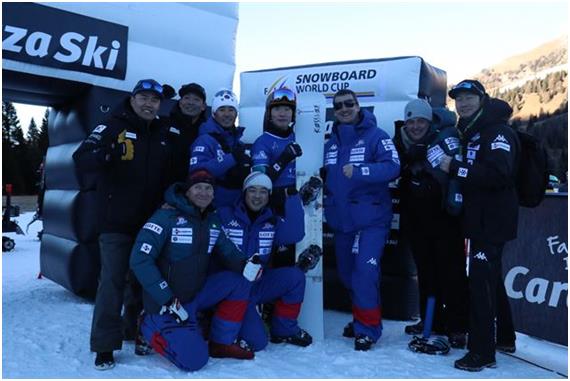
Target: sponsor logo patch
[(193, 160), (500, 145), (481, 256), (131, 135), (146, 248), (434, 155), (163, 285), (174, 130), (462, 172), (356, 151), (365, 171), (199, 149), (181, 221), (452, 142), (388, 144), (100, 128), (153, 227)]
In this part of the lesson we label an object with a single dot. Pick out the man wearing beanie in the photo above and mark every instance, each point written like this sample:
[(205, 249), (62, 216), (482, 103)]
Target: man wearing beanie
[(219, 149), (184, 122), (360, 161), (171, 257), (129, 154), (254, 228), (428, 218), (487, 176)]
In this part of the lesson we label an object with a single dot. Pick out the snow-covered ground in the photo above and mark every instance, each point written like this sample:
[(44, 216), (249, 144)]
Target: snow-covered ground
[(46, 334)]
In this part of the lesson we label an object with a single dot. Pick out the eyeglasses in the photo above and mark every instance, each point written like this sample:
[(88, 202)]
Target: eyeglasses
[(283, 93), (148, 85), (348, 104)]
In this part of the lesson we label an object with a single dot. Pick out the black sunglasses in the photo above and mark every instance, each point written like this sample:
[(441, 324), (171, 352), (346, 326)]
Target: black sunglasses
[(348, 104)]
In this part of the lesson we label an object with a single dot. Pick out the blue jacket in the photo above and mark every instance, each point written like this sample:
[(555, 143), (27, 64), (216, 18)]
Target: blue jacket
[(267, 231), (208, 153), (172, 252), (363, 200), (266, 150)]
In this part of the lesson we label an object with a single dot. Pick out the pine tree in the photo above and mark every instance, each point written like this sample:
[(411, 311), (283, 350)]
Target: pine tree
[(13, 150), (43, 140)]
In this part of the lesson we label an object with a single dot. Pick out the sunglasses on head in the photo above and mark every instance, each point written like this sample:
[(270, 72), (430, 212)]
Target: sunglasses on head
[(147, 85), (348, 104), (283, 94)]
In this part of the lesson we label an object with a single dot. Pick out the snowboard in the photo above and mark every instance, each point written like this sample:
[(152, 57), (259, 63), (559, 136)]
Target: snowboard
[(310, 135)]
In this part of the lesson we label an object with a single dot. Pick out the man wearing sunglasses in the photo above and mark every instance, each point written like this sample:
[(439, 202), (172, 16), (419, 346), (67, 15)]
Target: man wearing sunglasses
[(360, 160), (220, 151), (185, 119), (487, 176), (129, 155)]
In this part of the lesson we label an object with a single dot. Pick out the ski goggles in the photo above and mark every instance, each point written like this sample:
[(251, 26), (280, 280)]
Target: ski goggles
[(348, 104), (283, 94), (148, 85)]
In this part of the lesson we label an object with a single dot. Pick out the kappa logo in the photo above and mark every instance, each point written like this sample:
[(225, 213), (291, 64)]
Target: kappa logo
[(481, 256), (268, 225), (372, 261), (360, 142), (234, 223), (181, 221), (500, 138), (260, 155), (333, 147)]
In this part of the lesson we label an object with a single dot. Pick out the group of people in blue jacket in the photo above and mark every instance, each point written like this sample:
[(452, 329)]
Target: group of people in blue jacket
[(200, 221)]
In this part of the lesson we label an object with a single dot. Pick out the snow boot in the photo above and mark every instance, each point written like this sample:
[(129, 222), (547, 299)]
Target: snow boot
[(348, 330), (457, 340), (301, 339), (240, 349), (506, 347), (415, 329), (473, 362), (104, 361), (310, 190), (362, 343)]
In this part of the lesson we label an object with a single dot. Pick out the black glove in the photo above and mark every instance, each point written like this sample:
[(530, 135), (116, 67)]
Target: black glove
[(240, 156), (309, 258), (291, 152), (175, 309), (221, 141), (310, 190)]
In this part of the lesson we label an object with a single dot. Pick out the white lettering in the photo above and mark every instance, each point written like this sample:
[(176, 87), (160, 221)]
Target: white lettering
[(66, 42), (93, 53), (10, 42), (37, 44)]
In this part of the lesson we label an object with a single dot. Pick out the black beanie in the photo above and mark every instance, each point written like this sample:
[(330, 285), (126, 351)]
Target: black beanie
[(193, 88), (200, 176)]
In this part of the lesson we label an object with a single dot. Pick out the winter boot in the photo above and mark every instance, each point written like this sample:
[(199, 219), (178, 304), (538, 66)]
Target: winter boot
[(473, 362), (240, 349), (457, 340), (142, 347), (362, 343), (104, 361), (301, 339), (415, 329), (348, 330), (506, 347)]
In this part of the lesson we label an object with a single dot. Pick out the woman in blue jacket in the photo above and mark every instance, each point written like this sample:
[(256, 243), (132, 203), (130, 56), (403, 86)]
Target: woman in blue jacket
[(256, 230), (360, 160)]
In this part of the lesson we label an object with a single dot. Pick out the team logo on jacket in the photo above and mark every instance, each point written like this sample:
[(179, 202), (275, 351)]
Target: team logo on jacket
[(452, 142), (434, 155), (174, 130), (360, 142), (130, 135), (181, 221), (260, 155), (365, 171), (481, 256), (372, 261), (501, 143), (214, 234), (153, 227), (100, 128), (181, 235), (234, 223), (220, 155), (199, 149), (193, 160), (333, 148), (268, 225), (163, 285), (462, 172), (146, 248)]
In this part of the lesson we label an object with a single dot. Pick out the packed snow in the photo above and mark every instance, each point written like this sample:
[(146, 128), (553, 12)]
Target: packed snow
[(46, 334)]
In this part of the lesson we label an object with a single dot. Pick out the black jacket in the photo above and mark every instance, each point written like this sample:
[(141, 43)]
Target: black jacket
[(422, 186), (128, 191), (487, 174), (183, 133)]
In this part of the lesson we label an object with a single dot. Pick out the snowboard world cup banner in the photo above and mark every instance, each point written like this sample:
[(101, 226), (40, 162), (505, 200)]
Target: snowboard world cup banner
[(46, 36)]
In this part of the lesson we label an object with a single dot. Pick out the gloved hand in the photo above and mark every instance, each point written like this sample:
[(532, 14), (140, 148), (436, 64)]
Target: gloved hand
[(126, 145), (175, 309), (222, 142), (291, 152), (310, 190), (253, 269), (309, 258), (240, 155)]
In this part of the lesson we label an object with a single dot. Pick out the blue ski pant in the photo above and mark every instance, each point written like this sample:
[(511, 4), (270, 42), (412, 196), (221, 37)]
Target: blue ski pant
[(358, 257), (183, 344), (286, 286)]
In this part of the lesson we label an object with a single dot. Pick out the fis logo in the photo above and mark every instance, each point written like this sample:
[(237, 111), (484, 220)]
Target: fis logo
[(481, 256)]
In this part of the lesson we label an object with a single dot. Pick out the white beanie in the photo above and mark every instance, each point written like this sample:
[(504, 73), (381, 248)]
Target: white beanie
[(259, 179), (418, 108), (224, 97)]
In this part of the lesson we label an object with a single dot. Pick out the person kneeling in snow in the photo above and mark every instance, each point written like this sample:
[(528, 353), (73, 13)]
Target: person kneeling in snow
[(254, 228), (171, 257)]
